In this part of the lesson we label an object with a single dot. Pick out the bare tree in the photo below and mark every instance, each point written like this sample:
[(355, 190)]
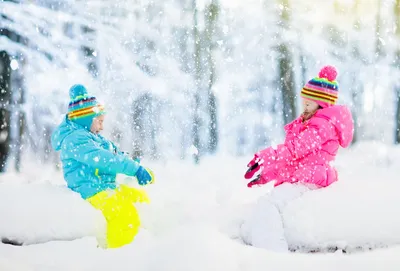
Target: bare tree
[(145, 123), (197, 95), (286, 74), (211, 17), (5, 97), (397, 62)]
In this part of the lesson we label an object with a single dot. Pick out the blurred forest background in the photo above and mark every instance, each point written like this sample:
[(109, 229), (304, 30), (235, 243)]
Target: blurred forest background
[(184, 79)]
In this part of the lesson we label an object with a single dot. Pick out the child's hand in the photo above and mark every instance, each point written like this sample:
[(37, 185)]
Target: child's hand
[(257, 181), (253, 166), (252, 162), (144, 176)]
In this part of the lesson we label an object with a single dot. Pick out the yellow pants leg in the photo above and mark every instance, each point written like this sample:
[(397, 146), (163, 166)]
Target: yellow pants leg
[(122, 218)]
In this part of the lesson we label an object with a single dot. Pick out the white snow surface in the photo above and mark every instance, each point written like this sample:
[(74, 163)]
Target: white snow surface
[(194, 218)]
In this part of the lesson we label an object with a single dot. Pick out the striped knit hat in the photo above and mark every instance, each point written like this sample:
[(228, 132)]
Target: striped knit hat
[(83, 108), (322, 89)]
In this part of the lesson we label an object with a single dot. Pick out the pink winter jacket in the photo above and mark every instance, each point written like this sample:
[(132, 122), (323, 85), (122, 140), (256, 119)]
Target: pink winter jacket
[(309, 148)]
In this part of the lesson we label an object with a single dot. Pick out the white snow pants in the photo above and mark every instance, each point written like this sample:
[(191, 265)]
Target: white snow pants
[(264, 228)]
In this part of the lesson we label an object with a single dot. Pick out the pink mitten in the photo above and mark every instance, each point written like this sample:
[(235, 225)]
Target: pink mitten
[(253, 166), (257, 181), (252, 162)]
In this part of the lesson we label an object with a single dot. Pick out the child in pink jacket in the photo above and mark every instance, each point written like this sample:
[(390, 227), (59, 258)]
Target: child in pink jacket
[(302, 162)]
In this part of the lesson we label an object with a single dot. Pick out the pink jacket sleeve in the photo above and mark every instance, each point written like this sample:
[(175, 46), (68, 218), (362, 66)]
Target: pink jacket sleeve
[(317, 132)]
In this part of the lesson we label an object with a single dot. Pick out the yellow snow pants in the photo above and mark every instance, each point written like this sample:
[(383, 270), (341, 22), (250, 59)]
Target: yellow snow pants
[(118, 209)]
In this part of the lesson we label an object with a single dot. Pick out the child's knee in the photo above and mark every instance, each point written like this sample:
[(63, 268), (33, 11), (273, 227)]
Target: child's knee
[(123, 226), (119, 235)]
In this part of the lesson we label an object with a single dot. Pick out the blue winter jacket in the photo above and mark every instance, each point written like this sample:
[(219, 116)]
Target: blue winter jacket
[(90, 162)]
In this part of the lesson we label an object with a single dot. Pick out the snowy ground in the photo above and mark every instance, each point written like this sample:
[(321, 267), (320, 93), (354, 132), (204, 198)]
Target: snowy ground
[(193, 220)]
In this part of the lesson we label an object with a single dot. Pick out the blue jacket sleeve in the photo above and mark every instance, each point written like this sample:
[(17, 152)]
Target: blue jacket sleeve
[(82, 148), (116, 148)]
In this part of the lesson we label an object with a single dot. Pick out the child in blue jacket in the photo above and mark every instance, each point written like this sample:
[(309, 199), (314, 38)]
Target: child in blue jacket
[(90, 164)]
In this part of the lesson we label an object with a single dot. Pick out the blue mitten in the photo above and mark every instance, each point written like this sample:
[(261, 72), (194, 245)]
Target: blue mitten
[(144, 176)]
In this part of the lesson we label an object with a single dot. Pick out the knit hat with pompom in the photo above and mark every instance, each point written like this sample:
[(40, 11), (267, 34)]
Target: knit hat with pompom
[(322, 89), (83, 108)]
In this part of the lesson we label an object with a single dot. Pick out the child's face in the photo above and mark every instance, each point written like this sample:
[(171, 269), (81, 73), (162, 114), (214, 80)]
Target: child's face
[(97, 124), (309, 106)]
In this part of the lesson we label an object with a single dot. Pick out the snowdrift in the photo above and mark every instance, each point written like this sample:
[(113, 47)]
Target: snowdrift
[(37, 213), (361, 211)]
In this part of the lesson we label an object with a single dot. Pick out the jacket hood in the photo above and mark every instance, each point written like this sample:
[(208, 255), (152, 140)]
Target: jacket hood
[(340, 117), (66, 128)]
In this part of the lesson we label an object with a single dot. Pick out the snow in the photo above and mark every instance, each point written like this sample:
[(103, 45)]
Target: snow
[(193, 220), (366, 213), (37, 213)]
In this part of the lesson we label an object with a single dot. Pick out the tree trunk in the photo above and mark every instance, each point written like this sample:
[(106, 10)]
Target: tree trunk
[(397, 135), (286, 75), (197, 76), (21, 130), (153, 121), (211, 16), (145, 123), (287, 84), (397, 63), (5, 118), (378, 39), (356, 95), (17, 115), (212, 107), (138, 127), (303, 68)]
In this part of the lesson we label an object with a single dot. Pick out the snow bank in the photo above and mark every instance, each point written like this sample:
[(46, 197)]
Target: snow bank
[(359, 211), (36, 213), (349, 215)]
